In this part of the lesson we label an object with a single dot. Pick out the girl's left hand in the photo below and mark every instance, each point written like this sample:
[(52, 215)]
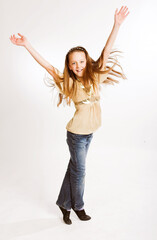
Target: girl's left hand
[(121, 15)]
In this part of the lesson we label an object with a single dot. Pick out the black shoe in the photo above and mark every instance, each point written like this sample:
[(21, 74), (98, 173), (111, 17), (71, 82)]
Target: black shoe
[(66, 215), (82, 215)]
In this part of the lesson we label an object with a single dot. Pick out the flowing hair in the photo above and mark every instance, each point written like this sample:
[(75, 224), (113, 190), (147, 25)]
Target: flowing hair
[(63, 82)]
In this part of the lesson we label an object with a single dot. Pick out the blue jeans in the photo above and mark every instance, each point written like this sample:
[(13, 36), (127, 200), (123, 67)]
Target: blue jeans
[(72, 189)]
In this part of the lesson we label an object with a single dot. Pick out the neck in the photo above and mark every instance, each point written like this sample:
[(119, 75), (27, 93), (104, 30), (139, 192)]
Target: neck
[(79, 78)]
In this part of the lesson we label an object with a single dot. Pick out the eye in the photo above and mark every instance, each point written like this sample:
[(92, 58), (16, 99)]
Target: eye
[(73, 63), (82, 61)]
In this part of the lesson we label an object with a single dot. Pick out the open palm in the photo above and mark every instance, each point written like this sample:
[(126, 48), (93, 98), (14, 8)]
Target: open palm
[(18, 41), (121, 15)]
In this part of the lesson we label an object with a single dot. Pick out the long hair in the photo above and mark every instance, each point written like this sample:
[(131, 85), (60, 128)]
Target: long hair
[(63, 82)]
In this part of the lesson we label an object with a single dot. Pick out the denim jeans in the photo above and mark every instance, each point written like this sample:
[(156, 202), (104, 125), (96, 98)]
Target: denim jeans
[(72, 189)]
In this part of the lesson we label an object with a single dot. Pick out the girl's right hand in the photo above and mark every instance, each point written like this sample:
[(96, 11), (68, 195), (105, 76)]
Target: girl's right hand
[(18, 41)]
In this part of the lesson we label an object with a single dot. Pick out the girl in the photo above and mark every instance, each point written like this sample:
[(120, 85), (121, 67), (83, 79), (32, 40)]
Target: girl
[(80, 82)]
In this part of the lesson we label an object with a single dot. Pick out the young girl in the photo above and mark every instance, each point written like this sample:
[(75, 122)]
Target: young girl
[(80, 82)]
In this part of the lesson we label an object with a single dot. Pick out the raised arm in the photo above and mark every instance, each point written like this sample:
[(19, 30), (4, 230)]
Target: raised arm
[(22, 41), (118, 19)]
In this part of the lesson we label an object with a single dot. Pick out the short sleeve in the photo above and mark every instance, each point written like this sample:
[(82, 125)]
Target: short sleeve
[(58, 72), (61, 83)]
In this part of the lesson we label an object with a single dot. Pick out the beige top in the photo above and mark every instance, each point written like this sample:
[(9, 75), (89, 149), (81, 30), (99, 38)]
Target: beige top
[(87, 117)]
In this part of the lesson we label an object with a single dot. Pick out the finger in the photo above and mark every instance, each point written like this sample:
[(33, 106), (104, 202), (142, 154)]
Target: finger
[(121, 9), (14, 38), (116, 11), (125, 7), (125, 10), (20, 35), (127, 14)]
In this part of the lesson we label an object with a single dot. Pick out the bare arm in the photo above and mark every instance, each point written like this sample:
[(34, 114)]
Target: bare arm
[(118, 19), (25, 43)]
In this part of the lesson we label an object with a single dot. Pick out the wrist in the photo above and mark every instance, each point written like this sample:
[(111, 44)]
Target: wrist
[(27, 44), (116, 25)]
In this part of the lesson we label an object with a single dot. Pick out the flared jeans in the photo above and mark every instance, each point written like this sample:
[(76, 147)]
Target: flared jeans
[(72, 189)]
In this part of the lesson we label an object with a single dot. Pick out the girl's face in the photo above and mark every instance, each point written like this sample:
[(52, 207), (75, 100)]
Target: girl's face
[(77, 63)]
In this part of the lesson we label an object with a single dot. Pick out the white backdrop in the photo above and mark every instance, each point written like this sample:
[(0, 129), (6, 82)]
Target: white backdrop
[(121, 180)]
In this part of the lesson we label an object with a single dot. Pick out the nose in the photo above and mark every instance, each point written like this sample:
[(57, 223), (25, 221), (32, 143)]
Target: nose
[(77, 65)]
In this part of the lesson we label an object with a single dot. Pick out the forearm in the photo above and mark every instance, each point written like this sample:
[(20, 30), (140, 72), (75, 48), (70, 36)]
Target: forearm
[(118, 19), (37, 56), (112, 37)]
